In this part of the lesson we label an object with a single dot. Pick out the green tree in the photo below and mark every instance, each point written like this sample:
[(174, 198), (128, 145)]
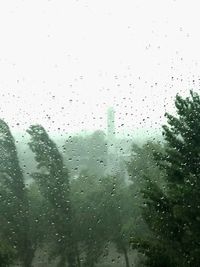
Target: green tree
[(90, 227), (141, 167), (173, 213), (38, 210), (7, 254), (117, 213), (104, 215), (86, 152), (14, 210), (53, 181)]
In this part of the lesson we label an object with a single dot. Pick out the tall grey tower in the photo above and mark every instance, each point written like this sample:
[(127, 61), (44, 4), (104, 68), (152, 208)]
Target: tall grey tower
[(111, 124), (111, 141)]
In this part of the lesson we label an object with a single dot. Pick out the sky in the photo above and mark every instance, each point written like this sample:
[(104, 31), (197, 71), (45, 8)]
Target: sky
[(63, 63)]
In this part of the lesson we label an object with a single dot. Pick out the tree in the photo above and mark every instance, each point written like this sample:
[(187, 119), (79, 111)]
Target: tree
[(87, 152), (104, 215), (14, 209), (38, 210), (90, 226), (117, 213), (7, 254), (173, 214), (53, 181), (142, 167)]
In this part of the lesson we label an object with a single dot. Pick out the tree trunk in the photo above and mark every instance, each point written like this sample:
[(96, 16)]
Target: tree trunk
[(62, 261), (78, 257), (71, 260), (28, 259), (89, 262), (126, 257)]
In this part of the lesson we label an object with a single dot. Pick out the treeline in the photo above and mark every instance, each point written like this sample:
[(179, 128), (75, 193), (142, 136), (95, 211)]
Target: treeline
[(157, 213)]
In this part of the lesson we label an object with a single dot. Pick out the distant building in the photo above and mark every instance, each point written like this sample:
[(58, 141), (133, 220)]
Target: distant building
[(111, 123), (118, 149), (112, 157)]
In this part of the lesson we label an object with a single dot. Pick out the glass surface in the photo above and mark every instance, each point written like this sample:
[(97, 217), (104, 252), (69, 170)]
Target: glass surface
[(99, 133)]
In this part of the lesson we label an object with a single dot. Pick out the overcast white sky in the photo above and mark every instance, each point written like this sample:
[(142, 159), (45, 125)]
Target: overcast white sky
[(64, 62)]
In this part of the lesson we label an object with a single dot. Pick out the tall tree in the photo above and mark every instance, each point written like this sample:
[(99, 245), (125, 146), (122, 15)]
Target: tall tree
[(90, 225), (7, 253), (14, 209), (117, 213), (103, 215), (173, 214), (88, 152), (53, 181)]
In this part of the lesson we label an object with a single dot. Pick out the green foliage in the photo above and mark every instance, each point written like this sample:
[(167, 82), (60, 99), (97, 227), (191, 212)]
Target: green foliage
[(142, 168), (142, 163), (14, 209), (53, 182), (173, 214), (37, 216), (86, 153), (7, 254), (103, 215), (90, 228)]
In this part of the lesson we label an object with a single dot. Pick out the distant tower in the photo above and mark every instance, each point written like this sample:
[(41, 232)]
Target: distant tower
[(111, 141), (111, 124)]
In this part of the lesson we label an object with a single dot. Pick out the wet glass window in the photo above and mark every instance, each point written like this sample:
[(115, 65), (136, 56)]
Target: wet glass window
[(99, 133)]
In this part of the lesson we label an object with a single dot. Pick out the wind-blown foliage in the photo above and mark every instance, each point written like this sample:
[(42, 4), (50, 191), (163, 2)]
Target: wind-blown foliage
[(15, 223), (173, 214), (103, 215), (53, 181)]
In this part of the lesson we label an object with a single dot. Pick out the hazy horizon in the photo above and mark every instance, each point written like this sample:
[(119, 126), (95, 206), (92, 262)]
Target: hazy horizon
[(64, 63)]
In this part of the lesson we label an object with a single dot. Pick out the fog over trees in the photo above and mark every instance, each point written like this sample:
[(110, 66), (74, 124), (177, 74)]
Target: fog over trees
[(100, 200), (99, 133)]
